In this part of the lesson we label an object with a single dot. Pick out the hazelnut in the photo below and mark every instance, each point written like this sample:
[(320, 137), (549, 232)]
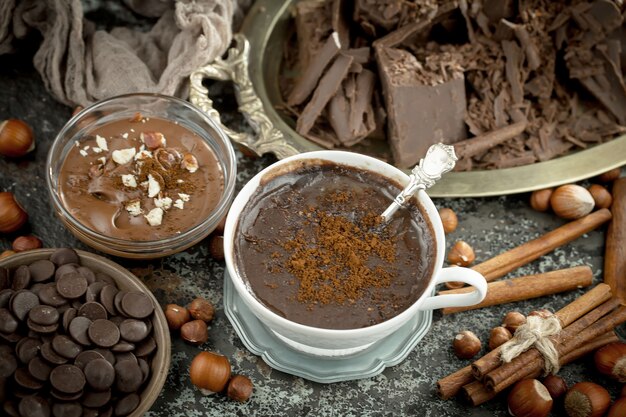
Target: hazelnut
[(611, 360), (544, 313), (601, 196), (190, 163), (611, 175), (618, 409), (153, 140), (540, 199), (586, 399), (498, 336), (201, 309), (12, 215), (466, 345), (137, 117), (557, 387), (461, 254), (16, 138), (529, 398), (176, 316), (23, 243), (448, 219), (239, 388), (6, 254), (453, 285), (571, 201), (512, 320), (194, 332), (216, 247), (210, 371)]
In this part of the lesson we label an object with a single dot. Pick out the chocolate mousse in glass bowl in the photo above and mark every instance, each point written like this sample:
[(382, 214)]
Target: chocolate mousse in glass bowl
[(141, 175)]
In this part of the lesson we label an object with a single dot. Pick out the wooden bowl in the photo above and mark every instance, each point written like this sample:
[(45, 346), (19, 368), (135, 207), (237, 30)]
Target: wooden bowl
[(125, 280)]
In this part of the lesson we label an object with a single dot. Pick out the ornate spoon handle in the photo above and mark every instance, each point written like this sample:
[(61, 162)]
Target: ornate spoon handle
[(439, 159)]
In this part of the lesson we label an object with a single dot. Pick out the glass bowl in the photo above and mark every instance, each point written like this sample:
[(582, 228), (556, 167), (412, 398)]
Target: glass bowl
[(125, 108)]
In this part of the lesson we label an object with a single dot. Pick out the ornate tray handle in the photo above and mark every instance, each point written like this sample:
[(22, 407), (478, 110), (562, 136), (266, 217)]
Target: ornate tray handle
[(235, 68)]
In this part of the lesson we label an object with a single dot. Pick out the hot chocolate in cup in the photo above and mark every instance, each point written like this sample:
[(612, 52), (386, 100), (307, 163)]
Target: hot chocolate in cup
[(307, 254)]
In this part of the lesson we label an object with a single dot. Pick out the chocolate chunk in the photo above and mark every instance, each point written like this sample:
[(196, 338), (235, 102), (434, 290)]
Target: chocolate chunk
[(107, 298), (64, 256), (64, 269), (104, 333), (133, 330), (127, 405), (21, 278), (96, 399), (34, 406), (137, 305), (85, 357), (39, 368), (5, 296), (93, 311), (26, 380), (50, 355), (41, 270), (146, 347), (8, 365), (21, 302), (27, 348), (128, 376), (498, 9), (68, 316), (72, 285), (68, 379), (79, 327), (8, 323), (50, 296), (100, 374), (44, 315), (67, 410), (66, 347)]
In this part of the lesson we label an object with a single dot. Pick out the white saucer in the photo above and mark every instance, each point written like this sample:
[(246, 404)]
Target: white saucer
[(363, 364)]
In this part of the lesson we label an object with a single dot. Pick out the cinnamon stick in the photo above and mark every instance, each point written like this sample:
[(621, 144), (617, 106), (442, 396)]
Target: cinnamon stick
[(567, 315), (508, 261), (471, 147), (476, 393), (527, 287), (498, 380), (449, 386), (615, 249)]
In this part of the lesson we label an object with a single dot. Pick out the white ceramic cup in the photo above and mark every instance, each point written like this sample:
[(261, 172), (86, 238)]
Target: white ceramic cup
[(330, 342)]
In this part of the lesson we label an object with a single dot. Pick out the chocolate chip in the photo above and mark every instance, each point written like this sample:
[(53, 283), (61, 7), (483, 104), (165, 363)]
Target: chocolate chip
[(107, 297), (79, 327), (11, 338), (41, 329), (125, 356), (67, 410), (68, 379), (104, 333), (21, 278), (26, 380), (65, 397), (50, 296), (137, 305), (39, 369), (93, 311), (123, 347), (41, 270), (118, 302), (10, 408), (72, 285), (34, 406), (44, 315), (100, 374), (5, 281), (68, 316), (93, 291), (127, 405), (66, 347), (5, 296), (8, 365), (107, 354), (145, 369), (8, 323), (96, 399), (146, 347), (101, 276), (88, 274), (21, 302), (128, 376), (133, 330), (64, 269), (50, 355), (64, 256), (27, 348), (85, 357)]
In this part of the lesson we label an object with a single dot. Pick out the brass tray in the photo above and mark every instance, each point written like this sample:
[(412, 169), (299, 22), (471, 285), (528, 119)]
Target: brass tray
[(253, 65)]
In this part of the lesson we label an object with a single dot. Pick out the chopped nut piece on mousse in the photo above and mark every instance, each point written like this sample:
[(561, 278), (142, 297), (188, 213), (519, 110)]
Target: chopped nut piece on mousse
[(155, 216), (134, 207), (123, 156), (129, 180)]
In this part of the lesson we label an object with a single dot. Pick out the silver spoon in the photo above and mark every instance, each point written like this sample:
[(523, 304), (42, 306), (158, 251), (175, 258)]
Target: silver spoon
[(439, 159)]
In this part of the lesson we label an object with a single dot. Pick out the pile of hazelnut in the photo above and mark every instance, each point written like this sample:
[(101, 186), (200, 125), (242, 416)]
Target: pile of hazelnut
[(573, 201), (209, 371), (534, 398)]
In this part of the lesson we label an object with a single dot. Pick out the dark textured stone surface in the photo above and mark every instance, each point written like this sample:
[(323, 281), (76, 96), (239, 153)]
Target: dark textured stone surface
[(490, 225)]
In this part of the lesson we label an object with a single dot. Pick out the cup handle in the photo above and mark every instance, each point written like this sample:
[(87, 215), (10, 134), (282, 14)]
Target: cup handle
[(466, 275)]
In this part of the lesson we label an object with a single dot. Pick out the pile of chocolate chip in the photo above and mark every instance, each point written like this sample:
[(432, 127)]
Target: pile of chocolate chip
[(71, 342)]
